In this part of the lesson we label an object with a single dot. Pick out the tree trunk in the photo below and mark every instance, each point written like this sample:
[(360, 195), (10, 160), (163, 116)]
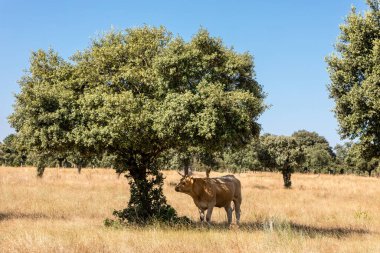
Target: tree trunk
[(79, 167), (186, 164), (286, 174), (40, 171), (208, 171), (140, 194), (147, 201), (186, 170), (60, 162)]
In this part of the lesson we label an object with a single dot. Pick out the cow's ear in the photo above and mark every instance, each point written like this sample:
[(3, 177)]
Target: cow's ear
[(191, 179)]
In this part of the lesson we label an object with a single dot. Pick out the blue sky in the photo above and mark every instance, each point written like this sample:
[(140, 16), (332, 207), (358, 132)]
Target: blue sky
[(289, 40)]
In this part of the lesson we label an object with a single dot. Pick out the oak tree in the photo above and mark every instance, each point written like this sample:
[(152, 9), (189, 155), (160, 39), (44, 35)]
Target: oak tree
[(136, 94), (355, 78), (283, 153)]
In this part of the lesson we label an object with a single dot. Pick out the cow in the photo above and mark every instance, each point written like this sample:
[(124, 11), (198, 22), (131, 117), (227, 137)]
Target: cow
[(208, 193)]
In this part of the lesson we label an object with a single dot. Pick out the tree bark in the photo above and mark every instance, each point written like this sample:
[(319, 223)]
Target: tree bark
[(79, 167), (40, 171), (286, 174), (60, 162), (140, 193), (147, 202)]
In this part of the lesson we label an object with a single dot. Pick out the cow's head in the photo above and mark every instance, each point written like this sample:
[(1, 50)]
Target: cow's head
[(185, 185)]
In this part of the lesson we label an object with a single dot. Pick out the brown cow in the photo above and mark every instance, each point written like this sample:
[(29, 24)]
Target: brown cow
[(208, 193)]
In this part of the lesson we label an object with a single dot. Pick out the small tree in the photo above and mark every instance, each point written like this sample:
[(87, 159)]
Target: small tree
[(283, 153)]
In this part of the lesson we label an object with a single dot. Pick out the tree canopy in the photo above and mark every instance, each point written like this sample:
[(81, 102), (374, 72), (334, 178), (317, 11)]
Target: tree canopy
[(355, 78), (135, 94), (282, 152), (10, 154), (317, 150)]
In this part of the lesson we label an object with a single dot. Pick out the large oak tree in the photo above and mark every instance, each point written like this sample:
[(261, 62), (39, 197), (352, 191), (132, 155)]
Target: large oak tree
[(136, 94)]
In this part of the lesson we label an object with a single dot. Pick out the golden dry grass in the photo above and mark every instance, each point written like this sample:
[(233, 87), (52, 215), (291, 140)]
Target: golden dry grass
[(64, 212)]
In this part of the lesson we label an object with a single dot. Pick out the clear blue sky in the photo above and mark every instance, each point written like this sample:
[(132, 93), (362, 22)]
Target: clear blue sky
[(289, 40)]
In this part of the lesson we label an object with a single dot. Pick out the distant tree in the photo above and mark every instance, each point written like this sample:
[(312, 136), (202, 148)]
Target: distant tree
[(106, 161), (46, 109), (283, 153), (11, 154), (310, 139), (80, 157), (355, 81), (78, 160), (342, 151), (319, 154), (368, 166), (180, 159), (318, 158), (208, 160), (363, 161), (135, 95), (2, 159), (343, 159), (245, 158)]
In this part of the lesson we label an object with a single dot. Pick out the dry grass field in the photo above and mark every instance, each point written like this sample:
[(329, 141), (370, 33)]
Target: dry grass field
[(64, 212)]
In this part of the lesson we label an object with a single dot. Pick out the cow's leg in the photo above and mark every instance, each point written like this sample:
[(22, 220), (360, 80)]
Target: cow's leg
[(237, 204), (202, 215), (209, 213), (229, 213)]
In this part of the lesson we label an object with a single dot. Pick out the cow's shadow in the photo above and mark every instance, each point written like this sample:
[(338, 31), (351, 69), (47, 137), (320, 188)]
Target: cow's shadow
[(290, 227)]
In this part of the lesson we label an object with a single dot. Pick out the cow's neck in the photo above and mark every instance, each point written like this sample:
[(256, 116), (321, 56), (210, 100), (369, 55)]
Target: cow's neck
[(197, 188)]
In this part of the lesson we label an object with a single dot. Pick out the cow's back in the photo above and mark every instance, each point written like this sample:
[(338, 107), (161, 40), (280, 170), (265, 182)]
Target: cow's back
[(227, 189)]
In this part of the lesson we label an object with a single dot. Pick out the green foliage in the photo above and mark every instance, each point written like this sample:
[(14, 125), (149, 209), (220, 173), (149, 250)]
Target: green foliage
[(245, 158), (311, 139), (342, 152), (368, 166), (110, 223), (319, 154), (147, 202), (344, 161), (283, 153), (361, 160), (355, 84), (10, 153), (317, 158), (135, 94), (311, 152), (2, 159)]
